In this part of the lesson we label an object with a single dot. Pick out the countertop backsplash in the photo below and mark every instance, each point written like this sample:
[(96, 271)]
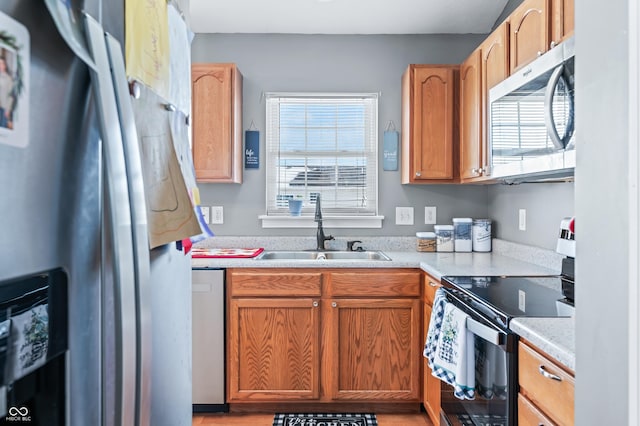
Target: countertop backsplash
[(541, 257)]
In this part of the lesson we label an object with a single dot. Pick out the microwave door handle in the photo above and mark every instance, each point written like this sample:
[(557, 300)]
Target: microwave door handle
[(548, 107), (487, 333)]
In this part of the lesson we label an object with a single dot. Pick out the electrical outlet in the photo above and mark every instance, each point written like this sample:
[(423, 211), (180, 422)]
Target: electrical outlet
[(205, 213), (217, 215), (404, 215), (430, 216), (522, 219), (522, 301)]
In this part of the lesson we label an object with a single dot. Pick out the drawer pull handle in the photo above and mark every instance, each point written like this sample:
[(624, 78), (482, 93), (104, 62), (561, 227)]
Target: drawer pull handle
[(548, 375), (432, 284)]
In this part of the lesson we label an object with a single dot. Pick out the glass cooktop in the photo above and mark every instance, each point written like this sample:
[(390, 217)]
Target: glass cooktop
[(508, 297)]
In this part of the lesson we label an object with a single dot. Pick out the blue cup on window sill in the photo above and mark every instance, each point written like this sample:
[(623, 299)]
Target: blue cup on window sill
[(295, 207)]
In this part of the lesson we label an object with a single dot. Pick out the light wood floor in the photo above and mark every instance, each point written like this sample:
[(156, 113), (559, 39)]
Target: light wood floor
[(226, 419)]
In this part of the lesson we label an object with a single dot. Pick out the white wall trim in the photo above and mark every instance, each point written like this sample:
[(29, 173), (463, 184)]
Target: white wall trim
[(327, 222), (634, 215)]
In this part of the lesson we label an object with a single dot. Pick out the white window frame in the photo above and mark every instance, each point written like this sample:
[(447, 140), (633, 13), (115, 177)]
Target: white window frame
[(279, 217)]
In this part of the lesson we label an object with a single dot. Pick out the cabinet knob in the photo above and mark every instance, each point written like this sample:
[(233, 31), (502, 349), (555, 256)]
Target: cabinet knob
[(334, 305), (315, 303), (553, 44), (548, 375), (540, 53), (418, 174), (475, 171), (432, 284)]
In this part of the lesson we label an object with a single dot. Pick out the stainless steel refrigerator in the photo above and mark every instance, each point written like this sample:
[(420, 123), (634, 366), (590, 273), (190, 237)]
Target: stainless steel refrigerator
[(73, 247)]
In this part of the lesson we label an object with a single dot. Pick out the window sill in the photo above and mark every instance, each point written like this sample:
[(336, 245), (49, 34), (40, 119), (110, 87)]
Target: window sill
[(327, 222)]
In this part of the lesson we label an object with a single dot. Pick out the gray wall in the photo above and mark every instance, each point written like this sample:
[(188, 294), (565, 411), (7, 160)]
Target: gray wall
[(546, 204), (372, 63), (604, 92), (509, 7)]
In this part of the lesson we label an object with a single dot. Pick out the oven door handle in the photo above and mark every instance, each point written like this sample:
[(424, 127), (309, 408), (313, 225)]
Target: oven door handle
[(487, 333)]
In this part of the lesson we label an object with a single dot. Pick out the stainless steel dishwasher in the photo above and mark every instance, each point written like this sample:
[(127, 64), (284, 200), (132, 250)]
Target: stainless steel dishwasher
[(208, 328)]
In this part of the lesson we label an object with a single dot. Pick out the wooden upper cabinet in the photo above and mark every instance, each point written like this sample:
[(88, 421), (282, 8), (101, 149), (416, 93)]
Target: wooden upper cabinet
[(429, 124), (217, 122), (529, 37), (471, 117), (562, 20), (494, 52)]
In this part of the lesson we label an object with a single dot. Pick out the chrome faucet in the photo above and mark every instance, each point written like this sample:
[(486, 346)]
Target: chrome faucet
[(320, 237)]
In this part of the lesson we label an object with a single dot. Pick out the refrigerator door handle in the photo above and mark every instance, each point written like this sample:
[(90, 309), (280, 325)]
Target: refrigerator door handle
[(117, 196), (140, 232)]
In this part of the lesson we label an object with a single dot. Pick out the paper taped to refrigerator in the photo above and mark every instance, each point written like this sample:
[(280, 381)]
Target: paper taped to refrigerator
[(147, 43), (170, 211)]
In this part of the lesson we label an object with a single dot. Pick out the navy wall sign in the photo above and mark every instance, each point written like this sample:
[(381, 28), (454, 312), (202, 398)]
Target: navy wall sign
[(251, 149)]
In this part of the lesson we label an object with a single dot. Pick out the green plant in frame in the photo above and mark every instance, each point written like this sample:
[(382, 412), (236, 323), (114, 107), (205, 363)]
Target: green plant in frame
[(18, 86)]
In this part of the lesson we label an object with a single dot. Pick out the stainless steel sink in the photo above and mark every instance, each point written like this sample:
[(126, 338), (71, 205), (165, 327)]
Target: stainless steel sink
[(323, 255)]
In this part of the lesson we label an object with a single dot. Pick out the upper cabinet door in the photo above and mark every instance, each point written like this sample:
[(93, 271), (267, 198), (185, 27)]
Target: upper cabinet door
[(470, 117), (217, 122), (495, 68), (529, 32), (429, 129), (562, 20)]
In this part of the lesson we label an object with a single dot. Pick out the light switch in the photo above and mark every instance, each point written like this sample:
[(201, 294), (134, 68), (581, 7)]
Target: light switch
[(404, 215), (205, 213), (522, 219), (430, 216), (217, 215)]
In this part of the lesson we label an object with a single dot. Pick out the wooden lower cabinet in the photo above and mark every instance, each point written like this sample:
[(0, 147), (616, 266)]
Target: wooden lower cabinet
[(274, 349), (300, 348), (431, 386), (373, 349), (546, 389)]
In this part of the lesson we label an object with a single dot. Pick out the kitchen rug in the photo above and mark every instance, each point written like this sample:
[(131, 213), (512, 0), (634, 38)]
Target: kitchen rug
[(325, 420)]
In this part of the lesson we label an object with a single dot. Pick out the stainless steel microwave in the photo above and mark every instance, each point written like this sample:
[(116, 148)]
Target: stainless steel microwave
[(531, 119)]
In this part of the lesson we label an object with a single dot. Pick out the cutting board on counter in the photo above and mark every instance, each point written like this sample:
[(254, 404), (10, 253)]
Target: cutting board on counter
[(226, 253)]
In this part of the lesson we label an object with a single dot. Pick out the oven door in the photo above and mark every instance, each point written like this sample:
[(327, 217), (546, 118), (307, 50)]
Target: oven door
[(496, 375)]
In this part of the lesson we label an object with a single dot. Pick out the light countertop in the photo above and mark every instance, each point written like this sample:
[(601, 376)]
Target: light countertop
[(555, 336), (436, 264)]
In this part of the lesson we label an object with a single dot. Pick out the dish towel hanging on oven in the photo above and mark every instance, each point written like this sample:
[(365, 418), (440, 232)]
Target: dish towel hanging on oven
[(454, 357), (435, 322)]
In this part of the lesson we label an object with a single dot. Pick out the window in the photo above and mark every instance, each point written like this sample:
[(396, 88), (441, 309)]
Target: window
[(322, 145)]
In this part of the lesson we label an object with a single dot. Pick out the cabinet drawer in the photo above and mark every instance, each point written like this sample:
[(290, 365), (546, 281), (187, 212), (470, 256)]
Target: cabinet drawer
[(252, 282), (374, 283), (430, 286), (554, 397), (529, 415)]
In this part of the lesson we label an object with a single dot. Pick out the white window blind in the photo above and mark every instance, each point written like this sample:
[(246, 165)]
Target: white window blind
[(322, 144)]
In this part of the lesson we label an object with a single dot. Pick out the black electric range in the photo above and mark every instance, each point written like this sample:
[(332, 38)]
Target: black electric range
[(501, 298)]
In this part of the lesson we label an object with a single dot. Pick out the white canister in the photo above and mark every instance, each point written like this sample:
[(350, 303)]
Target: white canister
[(481, 234), (462, 233), (444, 237)]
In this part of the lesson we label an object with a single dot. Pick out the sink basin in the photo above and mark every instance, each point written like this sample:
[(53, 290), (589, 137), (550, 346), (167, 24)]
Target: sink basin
[(323, 255)]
